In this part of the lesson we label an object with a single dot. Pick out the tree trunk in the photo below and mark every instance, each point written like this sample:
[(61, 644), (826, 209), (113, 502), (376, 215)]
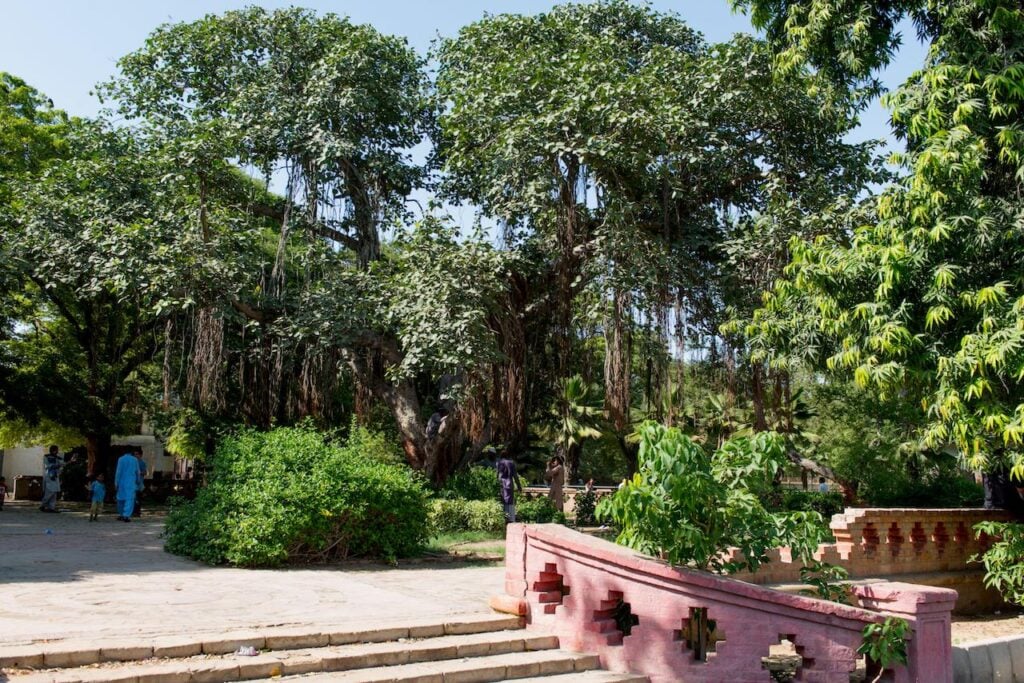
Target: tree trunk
[(96, 447), (617, 364), (757, 389), (572, 462)]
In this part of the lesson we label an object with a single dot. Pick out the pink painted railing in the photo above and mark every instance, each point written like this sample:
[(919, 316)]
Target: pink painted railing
[(930, 546), (892, 541), (640, 615)]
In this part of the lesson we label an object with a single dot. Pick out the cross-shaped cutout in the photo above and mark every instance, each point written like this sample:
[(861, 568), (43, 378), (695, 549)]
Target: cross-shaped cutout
[(786, 660), (615, 618), (699, 634), (550, 588)]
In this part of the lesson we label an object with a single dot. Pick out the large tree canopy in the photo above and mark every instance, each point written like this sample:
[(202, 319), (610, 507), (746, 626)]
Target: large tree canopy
[(628, 151), (925, 299), (327, 111), (96, 242)]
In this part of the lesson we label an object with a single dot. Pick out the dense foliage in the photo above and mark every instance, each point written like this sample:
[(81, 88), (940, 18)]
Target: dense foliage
[(288, 496), (924, 299), (240, 242), (1004, 568), (474, 483), (452, 515), (689, 505)]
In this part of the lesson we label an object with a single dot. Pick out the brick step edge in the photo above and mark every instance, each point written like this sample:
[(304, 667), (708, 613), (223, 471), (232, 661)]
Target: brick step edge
[(73, 654), (515, 666), (363, 660), (595, 676)]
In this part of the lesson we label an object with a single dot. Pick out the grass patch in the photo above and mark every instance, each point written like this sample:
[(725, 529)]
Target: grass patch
[(467, 543)]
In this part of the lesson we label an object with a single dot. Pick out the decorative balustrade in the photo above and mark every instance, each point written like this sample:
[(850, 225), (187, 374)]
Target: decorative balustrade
[(675, 624), (930, 546)]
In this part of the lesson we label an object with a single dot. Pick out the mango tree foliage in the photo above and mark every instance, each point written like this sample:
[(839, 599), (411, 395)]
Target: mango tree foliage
[(926, 298)]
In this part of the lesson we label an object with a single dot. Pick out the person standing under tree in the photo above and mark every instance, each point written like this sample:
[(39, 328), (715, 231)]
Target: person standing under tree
[(52, 465), (508, 478), (555, 476), (126, 481)]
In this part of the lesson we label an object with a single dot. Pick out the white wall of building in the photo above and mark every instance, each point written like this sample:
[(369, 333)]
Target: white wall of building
[(28, 460)]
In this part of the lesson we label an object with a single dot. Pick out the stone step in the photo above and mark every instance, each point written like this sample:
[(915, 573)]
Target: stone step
[(301, 661), (70, 653), (595, 676), (544, 666)]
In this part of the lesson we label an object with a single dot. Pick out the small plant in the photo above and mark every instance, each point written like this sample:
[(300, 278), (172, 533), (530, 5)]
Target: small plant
[(453, 516), (538, 511), (1004, 560), (689, 505), (476, 483), (885, 644), (823, 579), (586, 505)]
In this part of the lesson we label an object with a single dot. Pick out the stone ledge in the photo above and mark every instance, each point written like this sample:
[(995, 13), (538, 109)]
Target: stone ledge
[(984, 661)]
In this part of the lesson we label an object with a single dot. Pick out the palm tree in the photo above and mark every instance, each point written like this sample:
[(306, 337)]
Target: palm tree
[(575, 416)]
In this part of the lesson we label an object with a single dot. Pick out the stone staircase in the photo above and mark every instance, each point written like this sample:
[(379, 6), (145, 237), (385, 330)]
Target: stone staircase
[(464, 649)]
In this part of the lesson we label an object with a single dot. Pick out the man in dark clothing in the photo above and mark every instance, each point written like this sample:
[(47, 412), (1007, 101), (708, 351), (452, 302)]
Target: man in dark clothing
[(508, 478)]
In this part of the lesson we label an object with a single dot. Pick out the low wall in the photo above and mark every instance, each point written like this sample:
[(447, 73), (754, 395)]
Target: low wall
[(921, 546), (984, 661), (643, 616)]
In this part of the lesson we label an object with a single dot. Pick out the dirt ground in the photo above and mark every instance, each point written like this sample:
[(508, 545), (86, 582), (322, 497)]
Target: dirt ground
[(969, 629)]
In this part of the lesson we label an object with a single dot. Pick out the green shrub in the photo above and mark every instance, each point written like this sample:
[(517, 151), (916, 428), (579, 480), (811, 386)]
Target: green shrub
[(538, 511), (476, 483), (689, 505), (1004, 560), (586, 505), (455, 515), (825, 504), (374, 445), (942, 486), (287, 496)]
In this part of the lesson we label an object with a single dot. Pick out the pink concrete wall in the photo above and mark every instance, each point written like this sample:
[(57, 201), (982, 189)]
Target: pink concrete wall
[(569, 582)]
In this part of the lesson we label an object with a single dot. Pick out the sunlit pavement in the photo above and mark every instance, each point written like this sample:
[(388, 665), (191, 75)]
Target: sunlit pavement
[(62, 577)]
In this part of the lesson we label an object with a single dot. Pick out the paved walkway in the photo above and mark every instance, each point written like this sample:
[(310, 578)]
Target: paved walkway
[(62, 577)]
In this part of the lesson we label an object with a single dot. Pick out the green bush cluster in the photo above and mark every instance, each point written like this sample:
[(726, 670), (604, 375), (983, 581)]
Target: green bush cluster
[(476, 483), (586, 505), (688, 505), (1004, 569), (537, 511), (454, 515), (288, 496), (942, 486), (797, 500)]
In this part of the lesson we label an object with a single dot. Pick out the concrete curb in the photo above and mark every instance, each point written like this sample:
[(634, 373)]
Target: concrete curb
[(999, 660)]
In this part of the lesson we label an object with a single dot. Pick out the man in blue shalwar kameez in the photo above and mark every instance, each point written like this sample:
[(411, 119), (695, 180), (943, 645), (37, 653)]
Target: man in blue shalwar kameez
[(126, 481)]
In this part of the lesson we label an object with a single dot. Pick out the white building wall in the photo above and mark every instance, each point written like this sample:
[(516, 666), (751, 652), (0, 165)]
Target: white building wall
[(28, 460), (23, 460)]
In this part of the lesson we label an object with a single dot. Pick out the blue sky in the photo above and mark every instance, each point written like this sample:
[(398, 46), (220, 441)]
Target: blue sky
[(65, 47)]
